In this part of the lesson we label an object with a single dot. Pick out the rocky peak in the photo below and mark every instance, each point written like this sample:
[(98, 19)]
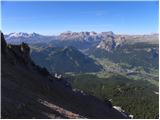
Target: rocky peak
[(79, 36), (108, 43), (66, 33), (3, 42), (109, 33), (93, 33), (34, 34), (25, 48)]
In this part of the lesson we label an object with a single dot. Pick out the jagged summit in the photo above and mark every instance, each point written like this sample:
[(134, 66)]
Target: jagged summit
[(79, 36), (21, 34), (109, 33)]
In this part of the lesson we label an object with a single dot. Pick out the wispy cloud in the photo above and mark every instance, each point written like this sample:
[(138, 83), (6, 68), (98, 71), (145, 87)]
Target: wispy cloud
[(26, 17), (18, 18), (90, 25), (96, 13)]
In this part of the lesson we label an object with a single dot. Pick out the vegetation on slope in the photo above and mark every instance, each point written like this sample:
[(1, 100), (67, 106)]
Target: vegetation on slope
[(66, 59), (135, 55), (137, 97)]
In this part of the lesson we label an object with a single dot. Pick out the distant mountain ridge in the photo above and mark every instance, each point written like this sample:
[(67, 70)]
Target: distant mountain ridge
[(30, 38), (78, 39), (21, 34), (64, 59)]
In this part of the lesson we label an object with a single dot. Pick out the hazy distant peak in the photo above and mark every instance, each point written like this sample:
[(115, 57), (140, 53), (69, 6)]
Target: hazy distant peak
[(110, 33), (22, 34), (19, 34)]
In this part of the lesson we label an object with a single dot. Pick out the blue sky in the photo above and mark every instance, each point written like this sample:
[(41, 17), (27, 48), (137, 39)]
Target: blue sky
[(55, 17)]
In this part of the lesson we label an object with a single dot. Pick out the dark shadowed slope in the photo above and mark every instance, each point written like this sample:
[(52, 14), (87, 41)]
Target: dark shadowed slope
[(29, 91), (64, 59)]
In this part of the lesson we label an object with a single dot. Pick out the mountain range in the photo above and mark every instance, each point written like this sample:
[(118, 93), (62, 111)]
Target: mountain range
[(72, 51), (29, 91), (80, 36), (80, 40)]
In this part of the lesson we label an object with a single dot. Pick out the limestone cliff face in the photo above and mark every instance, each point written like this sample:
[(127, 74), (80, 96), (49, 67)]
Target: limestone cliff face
[(108, 44), (29, 91)]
